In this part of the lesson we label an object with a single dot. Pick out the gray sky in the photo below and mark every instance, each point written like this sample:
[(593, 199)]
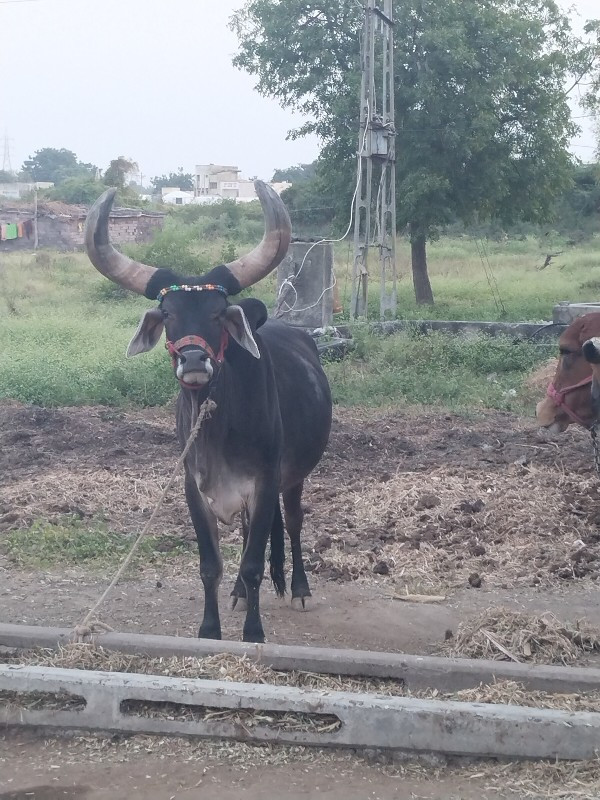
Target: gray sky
[(147, 79)]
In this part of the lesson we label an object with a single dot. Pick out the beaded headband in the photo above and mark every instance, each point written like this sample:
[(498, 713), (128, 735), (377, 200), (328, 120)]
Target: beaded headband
[(184, 287)]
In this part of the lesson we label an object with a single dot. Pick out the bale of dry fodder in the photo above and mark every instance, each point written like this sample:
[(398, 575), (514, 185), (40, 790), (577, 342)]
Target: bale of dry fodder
[(503, 635), (535, 384)]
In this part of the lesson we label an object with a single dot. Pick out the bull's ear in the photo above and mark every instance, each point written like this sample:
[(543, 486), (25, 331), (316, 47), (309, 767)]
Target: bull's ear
[(236, 323), (148, 333)]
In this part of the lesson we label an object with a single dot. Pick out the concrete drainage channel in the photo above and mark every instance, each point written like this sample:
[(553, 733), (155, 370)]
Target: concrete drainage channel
[(83, 700)]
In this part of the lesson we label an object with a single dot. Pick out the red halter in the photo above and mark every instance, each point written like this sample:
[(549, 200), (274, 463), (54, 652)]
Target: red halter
[(175, 350), (558, 397)]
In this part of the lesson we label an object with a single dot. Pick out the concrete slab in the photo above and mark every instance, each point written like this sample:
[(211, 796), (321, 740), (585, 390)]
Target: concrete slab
[(410, 725), (416, 672)]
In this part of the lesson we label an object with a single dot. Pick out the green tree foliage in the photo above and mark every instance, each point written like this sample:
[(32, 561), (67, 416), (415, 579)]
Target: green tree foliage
[(85, 191), (7, 177), (481, 110), (183, 180), (577, 212), (55, 166), (118, 170), (78, 191), (302, 173)]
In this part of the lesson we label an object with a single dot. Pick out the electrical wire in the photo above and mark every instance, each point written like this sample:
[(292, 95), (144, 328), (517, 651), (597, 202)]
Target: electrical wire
[(289, 280)]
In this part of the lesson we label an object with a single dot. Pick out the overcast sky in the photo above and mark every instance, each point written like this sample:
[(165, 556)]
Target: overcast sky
[(147, 79)]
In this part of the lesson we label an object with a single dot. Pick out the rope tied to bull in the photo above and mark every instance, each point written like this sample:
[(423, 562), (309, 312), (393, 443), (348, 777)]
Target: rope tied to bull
[(88, 623), (596, 443)]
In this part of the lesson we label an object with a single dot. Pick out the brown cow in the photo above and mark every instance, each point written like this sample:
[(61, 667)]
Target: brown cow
[(569, 398)]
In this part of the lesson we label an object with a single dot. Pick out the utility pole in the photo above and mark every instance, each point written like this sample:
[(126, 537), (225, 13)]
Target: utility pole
[(375, 205), (6, 165), (36, 241)]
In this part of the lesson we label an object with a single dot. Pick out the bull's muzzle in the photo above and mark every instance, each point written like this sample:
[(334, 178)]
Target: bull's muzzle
[(194, 368)]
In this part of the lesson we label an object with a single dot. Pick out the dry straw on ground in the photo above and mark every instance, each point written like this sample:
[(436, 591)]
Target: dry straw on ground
[(502, 634)]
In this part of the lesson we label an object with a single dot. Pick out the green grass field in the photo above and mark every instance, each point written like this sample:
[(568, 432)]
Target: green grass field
[(64, 329)]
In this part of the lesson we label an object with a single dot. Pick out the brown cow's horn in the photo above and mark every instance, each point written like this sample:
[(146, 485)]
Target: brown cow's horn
[(270, 252), (114, 265)]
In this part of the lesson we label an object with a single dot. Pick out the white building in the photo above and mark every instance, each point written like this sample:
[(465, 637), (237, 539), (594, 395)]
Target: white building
[(247, 193), (224, 182), (172, 196), (216, 180)]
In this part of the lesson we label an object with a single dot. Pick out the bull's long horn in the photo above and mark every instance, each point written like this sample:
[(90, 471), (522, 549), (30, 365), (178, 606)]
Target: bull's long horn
[(114, 265), (270, 252)]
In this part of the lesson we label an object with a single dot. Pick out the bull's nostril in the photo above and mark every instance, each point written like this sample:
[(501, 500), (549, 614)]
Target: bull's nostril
[(182, 359)]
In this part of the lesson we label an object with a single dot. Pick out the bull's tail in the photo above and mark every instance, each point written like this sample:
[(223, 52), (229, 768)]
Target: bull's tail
[(277, 556)]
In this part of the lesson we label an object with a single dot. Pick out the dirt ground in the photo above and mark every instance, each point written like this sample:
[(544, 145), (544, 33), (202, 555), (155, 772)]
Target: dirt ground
[(165, 770), (480, 510)]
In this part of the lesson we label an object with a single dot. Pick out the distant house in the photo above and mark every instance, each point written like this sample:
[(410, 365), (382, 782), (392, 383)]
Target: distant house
[(247, 192), (216, 180), (224, 182), (16, 190)]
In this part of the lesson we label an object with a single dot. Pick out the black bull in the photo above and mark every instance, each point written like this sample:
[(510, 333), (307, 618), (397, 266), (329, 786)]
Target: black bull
[(273, 406)]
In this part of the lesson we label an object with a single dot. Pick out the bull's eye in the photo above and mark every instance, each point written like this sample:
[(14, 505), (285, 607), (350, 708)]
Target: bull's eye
[(565, 352)]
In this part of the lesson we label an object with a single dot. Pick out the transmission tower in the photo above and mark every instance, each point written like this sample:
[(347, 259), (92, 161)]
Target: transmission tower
[(375, 205), (6, 165)]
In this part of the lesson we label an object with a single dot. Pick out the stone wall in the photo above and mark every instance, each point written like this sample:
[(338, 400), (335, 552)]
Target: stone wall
[(66, 233)]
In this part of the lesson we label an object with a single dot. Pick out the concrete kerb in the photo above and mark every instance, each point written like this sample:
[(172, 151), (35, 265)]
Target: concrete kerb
[(541, 331), (336, 342), (416, 672), (391, 723)]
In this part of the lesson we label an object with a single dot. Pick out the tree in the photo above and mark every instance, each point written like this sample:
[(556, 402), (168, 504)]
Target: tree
[(79, 191), (182, 180), (482, 117), (7, 177), (299, 174), (50, 164), (118, 170)]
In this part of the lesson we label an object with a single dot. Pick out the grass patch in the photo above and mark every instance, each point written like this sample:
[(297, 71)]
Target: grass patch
[(74, 542), (72, 325), (458, 267), (436, 369)]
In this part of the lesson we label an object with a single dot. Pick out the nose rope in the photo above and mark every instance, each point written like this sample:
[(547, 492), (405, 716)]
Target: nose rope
[(558, 398)]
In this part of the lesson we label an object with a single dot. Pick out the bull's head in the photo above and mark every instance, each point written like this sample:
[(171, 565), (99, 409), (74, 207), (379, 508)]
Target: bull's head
[(569, 398), (194, 311), (591, 353)]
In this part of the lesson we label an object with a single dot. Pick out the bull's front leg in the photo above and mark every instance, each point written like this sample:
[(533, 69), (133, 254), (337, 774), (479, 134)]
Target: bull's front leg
[(211, 562), (252, 566)]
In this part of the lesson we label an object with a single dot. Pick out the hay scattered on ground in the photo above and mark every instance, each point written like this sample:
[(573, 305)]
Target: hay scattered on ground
[(505, 635), (515, 694), (523, 526), (561, 780)]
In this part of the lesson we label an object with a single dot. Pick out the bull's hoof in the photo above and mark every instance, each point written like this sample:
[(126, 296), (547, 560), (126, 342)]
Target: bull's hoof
[(209, 632), (301, 603), (239, 603), (256, 636)]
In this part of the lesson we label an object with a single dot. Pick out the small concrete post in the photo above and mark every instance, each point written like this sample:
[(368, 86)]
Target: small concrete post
[(565, 312), (304, 285)]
